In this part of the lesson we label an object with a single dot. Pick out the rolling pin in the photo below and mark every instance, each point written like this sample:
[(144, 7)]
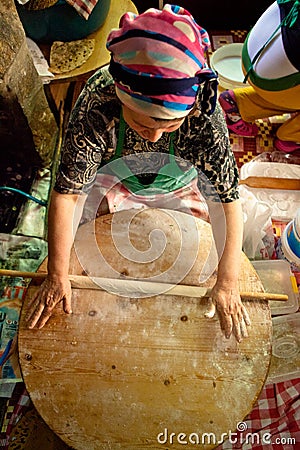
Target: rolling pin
[(138, 288), (292, 184)]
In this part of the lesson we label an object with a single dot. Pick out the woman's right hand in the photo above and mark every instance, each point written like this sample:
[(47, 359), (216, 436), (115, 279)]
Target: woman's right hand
[(51, 292)]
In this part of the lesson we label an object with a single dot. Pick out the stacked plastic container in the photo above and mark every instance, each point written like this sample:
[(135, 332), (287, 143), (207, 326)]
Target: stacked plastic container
[(281, 274)]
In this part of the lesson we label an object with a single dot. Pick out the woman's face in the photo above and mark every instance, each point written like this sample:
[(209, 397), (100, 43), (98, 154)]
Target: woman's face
[(147, 127)]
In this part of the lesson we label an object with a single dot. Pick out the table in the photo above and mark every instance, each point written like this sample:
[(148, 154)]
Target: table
[(64, 88), (100, 56), (129, 372)]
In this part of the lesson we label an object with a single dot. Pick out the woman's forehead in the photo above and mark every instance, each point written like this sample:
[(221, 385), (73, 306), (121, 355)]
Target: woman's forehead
[(144, 120)]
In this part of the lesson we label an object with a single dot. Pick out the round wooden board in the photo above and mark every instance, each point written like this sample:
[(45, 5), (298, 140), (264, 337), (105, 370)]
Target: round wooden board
[(143, 373)]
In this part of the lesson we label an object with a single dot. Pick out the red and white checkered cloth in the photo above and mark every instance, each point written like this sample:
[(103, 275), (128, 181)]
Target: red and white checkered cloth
[(274, 422), (83, 7)]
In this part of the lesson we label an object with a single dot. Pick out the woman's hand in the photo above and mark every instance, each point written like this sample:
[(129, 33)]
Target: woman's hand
[(233, 316), (225, 296), (50, 293), (64, 214)]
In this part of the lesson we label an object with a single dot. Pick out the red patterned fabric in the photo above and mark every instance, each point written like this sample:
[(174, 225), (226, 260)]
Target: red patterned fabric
[(274, 422), (12, 410), (83, 7)]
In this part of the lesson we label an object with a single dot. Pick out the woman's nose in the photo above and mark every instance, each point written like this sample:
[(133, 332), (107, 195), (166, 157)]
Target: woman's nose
[(152, 135)]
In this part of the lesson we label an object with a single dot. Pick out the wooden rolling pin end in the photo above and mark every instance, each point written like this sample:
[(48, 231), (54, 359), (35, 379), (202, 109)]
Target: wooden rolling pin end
[(264, 296), (291, 184)]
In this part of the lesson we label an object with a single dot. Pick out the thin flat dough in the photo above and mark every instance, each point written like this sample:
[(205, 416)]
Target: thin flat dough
[(66, 56)]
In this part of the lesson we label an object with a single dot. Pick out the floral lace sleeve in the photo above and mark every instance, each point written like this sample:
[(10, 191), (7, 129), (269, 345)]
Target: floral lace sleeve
[(205, 142), (87, 137)]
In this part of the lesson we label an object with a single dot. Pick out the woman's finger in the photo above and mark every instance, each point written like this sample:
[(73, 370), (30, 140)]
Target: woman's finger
[(44, 317), (243, 328), (33, 318), (211, 310), (246, 316)]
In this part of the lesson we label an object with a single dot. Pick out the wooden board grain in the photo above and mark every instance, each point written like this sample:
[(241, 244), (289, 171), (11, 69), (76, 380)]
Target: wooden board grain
[(126, 373)]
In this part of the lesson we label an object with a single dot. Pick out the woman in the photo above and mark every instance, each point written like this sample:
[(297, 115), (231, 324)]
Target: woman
[(158, 97), (271, 60)]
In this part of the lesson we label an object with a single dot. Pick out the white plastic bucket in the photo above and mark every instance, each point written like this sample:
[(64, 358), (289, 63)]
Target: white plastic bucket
[(291, 240), (288, 246), (227, 62)]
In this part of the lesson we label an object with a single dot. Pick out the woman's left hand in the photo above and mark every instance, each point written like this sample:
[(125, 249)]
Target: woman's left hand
[(233, 315)]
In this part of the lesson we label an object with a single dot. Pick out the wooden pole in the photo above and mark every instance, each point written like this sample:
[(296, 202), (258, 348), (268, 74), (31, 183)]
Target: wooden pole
[(292, 184), (139, 288)]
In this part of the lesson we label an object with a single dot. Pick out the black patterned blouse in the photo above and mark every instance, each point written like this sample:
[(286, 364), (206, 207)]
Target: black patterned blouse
[(91, 138)]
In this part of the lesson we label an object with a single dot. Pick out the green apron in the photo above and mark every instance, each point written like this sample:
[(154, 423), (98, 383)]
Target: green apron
[(168, 179)]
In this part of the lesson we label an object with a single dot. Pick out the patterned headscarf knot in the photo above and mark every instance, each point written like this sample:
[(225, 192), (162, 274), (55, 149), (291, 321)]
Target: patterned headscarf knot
[(158, 63)]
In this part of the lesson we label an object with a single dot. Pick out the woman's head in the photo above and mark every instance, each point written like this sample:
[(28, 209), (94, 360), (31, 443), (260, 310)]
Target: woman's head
[(158, 61), (148, 127)]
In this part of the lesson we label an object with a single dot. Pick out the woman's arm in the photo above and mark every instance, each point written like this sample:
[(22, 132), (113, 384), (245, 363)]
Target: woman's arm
[(225, 294), (64, 214)]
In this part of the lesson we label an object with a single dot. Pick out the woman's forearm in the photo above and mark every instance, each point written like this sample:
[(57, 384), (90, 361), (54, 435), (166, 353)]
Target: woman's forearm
[(63, 218), (64, 215), (229, 264), (227, 226)]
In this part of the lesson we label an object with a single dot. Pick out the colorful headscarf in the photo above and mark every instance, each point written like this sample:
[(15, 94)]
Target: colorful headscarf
[(158, 63)]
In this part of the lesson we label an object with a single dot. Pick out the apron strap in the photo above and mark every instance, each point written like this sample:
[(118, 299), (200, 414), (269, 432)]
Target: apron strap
[(171, 143), (121, 135)]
